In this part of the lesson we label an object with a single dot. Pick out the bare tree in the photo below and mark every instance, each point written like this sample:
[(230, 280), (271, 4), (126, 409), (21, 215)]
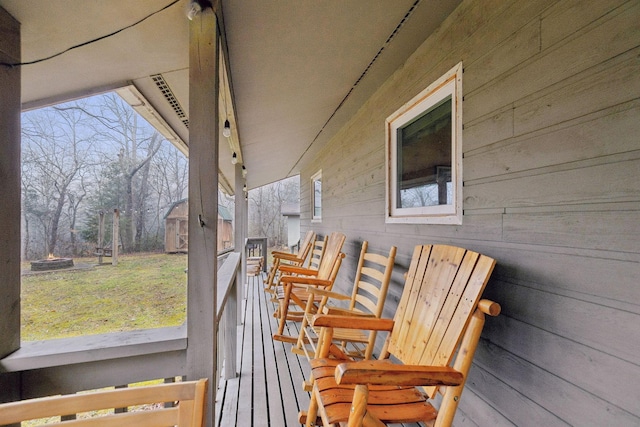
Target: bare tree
[(265, 209), (138, 143), (90, 155), (57, 148)]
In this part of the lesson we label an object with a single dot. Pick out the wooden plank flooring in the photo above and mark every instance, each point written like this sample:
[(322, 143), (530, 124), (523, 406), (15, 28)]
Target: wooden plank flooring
[(268, 391)]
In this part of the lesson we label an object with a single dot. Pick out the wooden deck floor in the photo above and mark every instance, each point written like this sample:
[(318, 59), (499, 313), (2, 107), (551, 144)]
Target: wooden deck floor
[(268, 391)]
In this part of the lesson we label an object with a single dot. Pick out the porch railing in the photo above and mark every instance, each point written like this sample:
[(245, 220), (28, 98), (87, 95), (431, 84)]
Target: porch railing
[(227, 314), (69, 365)]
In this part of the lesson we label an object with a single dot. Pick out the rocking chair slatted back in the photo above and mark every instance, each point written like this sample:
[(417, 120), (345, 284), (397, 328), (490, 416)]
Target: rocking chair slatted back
[(443, 288), (439, 316), (317, 253), (293, 287), (330, 254), (285, 258)]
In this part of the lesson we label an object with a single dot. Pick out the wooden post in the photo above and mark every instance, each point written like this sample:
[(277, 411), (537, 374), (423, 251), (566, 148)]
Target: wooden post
[(10, 109), (114, 237), (239, 238), (202, 325), (100, 248), (231, 313)]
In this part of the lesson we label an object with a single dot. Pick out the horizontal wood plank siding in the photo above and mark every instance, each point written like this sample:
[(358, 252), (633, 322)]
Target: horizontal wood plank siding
[(551, 170)]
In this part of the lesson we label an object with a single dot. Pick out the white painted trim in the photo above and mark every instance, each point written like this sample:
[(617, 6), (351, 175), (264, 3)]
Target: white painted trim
[(449, 84), (316, 177)]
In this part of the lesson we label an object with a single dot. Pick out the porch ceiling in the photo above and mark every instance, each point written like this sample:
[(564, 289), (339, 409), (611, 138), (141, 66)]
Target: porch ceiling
[(294, 65)]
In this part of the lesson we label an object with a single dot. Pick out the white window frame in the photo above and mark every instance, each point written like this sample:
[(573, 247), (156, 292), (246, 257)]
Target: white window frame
[(316, 177), (449, 84)]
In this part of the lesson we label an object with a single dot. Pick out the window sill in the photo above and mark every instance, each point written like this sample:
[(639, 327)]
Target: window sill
[(94, 348)]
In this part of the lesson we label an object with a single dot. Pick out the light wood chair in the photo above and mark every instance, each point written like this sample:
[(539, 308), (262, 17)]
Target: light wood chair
[(439, 315), (367, 298), (313, 263), (189, 411), (286, 258), (294, 282)]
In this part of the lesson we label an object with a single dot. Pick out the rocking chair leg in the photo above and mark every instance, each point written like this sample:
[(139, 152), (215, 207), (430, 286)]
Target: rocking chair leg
[(311, 414), (305, 323), (284, 309), (358, 406)]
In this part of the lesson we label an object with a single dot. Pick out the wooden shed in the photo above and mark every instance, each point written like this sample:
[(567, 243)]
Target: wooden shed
[(176, 228)]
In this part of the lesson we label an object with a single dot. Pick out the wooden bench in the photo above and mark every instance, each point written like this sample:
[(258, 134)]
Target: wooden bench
[(188, 412)]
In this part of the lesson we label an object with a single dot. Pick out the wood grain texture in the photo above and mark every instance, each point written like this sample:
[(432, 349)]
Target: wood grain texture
[(551, 164), (10, 191)]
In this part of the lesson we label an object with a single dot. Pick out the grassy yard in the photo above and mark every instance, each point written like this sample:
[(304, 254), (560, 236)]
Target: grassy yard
[(142, 291)]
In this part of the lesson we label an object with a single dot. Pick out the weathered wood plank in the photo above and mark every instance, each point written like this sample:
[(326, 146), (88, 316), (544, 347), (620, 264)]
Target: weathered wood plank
[(513, 404), (299, 370), (288, 389), (572, 274), (260, 387), (614, 34), (274, 395), (269, 388), (565, 18), (608, 84), (245, 393), (487, 130), (542, 348), (616, 331), (227, 409), (512, 51), (559, 144), (602, 180), (572, 404), (589, 230), (475, 412)]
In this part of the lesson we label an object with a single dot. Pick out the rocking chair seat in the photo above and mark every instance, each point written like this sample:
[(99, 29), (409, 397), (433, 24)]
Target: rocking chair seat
[(385, 402)]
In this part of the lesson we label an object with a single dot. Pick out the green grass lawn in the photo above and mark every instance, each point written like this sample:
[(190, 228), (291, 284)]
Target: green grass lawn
[(142, 291)]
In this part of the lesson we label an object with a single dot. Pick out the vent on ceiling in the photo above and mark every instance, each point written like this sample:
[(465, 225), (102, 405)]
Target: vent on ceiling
[(170, 97)]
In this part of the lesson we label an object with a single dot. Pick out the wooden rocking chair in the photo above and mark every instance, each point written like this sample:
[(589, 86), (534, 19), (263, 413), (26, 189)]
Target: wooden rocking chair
[(189, 412), (439, 315), (313, 263), (367, 299), (295, 280), (286, 258)]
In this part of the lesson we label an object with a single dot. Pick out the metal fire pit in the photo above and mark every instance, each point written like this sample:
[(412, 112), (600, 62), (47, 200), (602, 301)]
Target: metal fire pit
[(51, 264)]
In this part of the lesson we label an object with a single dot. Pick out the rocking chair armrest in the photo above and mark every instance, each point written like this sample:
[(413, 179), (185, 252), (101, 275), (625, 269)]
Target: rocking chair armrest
[(325, 293), (341, 311), (286, 256), (298, 281), (292, 269), (353, 322), (381, 372)]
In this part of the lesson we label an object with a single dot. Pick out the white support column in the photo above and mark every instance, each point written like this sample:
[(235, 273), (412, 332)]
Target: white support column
[(202, 325)]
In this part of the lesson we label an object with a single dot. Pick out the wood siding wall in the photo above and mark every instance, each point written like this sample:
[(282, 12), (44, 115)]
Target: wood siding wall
[(551, 169)]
